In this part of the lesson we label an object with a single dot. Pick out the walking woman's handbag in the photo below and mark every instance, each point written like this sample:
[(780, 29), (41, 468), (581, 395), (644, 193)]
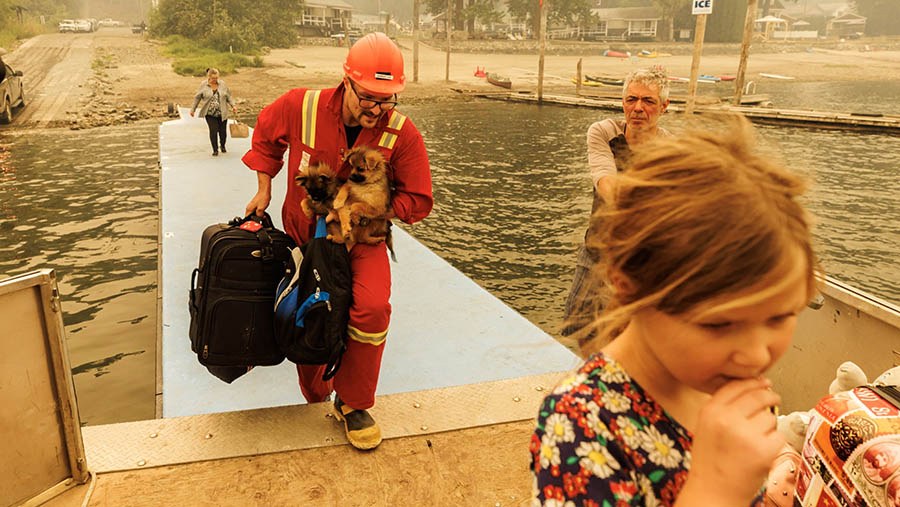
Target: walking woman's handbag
[(239, 129)]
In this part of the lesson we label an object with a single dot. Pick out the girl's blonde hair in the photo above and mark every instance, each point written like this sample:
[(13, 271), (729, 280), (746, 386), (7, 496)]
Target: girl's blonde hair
[(695, 218), (212, 70)]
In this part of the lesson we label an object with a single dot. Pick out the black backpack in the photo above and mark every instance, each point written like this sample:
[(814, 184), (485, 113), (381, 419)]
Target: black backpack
[(232, 295), (313, 301)]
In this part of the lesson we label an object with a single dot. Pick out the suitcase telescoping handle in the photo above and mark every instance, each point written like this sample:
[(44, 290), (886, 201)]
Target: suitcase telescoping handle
[(194, 288)]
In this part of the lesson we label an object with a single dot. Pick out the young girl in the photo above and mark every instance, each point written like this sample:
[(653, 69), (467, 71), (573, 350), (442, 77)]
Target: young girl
[(708, 258)]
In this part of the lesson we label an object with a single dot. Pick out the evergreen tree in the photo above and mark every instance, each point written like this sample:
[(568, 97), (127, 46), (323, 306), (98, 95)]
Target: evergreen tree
[(240, 25), (726, 23)]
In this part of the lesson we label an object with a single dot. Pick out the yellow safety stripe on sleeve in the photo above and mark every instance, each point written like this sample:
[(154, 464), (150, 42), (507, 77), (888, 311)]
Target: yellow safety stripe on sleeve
[(308, 122), (387, 140), (396, 121), (364, 337)]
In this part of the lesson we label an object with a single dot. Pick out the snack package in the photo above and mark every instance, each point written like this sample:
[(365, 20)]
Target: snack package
[(851, 454)]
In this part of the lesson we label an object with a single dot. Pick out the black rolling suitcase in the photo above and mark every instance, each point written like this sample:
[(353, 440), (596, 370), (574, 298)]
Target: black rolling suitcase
[(232, 295)]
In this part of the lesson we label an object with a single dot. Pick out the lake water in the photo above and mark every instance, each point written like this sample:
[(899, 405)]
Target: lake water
[(512, 200)]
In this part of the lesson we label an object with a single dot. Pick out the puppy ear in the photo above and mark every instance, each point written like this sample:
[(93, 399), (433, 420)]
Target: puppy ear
[(373, 157)]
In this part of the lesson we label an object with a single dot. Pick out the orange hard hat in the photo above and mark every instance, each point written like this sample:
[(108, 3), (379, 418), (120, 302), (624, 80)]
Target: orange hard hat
[(375, 63)]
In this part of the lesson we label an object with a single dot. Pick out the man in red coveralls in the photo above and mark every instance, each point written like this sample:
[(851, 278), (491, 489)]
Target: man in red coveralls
[(320, 126)]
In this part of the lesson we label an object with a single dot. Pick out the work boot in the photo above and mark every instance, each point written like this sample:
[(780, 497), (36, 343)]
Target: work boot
[(362, 431), (223, 149)]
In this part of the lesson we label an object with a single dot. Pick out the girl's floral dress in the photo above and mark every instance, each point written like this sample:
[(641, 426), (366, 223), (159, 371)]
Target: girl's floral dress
[(602, 441)]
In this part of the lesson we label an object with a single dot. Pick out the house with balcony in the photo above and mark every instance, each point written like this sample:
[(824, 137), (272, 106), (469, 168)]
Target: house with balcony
[(626, 23), (847, 25), (323, 17)]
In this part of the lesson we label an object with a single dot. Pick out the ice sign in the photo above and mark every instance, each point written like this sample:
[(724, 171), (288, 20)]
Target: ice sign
[(702, 7)]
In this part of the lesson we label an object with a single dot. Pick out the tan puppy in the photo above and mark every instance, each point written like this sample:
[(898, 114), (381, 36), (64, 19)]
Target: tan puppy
[(363, 201)]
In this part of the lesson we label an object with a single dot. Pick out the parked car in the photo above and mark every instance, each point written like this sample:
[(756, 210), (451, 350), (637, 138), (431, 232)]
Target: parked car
[(12, 93), (83, 25), (67, 25), (109, 22)]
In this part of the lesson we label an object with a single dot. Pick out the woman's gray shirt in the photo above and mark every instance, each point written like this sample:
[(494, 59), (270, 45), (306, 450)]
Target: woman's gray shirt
[(205, 94)]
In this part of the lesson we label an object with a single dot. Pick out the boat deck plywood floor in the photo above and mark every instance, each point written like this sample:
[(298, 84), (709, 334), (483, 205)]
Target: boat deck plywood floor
[(486, 465)]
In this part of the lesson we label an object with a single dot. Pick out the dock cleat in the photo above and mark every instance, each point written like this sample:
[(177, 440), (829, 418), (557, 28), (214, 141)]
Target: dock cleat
[(362, 431)]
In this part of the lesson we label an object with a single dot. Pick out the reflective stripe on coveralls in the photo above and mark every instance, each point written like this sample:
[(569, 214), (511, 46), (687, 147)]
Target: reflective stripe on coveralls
[(389, 138), (364, 337), (310, 110)]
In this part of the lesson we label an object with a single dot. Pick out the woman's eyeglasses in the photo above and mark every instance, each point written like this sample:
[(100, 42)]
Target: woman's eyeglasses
[(367, 103)]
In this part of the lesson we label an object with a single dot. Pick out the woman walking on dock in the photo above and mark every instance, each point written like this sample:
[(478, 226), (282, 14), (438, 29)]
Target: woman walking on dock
[(216, 99)]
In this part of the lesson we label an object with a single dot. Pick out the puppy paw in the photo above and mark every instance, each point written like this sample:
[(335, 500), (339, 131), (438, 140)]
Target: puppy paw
[(304, 205)]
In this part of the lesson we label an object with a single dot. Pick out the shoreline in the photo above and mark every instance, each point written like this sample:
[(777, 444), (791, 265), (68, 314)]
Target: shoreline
[(129, 80)]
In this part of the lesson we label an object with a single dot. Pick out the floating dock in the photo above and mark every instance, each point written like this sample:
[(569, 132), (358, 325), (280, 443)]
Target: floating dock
[(862, 122)]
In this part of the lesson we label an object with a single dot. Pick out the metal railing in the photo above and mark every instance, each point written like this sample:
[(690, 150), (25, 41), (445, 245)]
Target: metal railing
[(313, 20)]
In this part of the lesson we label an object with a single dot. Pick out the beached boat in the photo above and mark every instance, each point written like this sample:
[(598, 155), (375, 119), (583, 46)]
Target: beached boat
[(616, 54), (587, 82), (700, 79), (775, 76), (652, 54), (498, 80), (607, 80)]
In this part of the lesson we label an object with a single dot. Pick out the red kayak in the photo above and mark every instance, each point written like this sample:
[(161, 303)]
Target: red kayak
[(726, 78), (615, 54)]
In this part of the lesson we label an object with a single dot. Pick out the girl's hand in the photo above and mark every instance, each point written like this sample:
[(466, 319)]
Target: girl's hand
[(735, 442)]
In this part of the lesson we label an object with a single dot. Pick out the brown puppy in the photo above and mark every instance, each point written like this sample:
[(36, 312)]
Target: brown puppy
[(321, 185), (364, 200)]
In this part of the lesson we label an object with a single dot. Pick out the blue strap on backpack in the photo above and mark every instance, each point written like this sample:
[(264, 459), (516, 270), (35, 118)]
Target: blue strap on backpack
[(321, 232)]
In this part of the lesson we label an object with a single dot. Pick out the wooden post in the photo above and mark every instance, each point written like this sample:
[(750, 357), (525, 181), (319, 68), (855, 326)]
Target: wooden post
[(387, 24), (415, 41), (449, 31), (543, 29), (745, 51), (699, 33), (345, 24), (578, 77)]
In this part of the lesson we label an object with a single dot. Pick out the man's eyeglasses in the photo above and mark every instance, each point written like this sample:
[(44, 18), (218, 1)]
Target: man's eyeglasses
[(386, 105)]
